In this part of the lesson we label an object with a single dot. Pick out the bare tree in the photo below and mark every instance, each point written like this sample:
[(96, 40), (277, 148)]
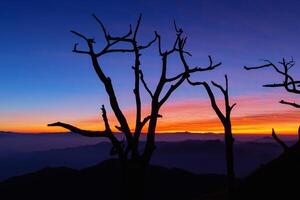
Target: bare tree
[(289, 84), (226, 122), (134, 161)]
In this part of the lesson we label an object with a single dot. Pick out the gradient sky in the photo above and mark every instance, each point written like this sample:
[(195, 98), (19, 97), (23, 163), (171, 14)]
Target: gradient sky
[(42, 81)]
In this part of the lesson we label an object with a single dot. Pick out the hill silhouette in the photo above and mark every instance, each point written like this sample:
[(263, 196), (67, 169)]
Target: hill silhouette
[(103, 181), (278, 179), (200, 157), (275, 179)]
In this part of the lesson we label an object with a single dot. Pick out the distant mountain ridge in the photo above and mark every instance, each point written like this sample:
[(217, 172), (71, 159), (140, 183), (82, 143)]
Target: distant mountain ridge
[(103, 181), (8, 132), (189, 155), (274, 179)]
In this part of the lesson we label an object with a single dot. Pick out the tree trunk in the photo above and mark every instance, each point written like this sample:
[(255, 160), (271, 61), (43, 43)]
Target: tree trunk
[(133, 180), (229, 161), (150, 142)]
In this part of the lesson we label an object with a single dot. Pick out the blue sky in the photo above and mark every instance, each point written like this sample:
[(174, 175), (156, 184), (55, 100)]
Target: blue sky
[(39, 73)]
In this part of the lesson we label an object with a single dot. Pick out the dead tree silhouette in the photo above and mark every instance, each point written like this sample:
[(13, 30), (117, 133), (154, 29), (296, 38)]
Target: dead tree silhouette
[(226, 122), (134, 161), (289, 84)]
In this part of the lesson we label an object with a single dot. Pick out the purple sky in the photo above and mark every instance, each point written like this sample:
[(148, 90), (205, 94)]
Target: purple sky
[(42, 78)]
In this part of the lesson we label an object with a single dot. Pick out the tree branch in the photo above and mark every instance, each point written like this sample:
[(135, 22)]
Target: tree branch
[(107, 127), (148, 44), (281, 84), (228, 107), (137, 27), (182, 76), (117, 147), (211, 97), (75, 50), (290, 103), (224, 91), (171, 90), (288, 83), (79, 131), (88, 40), (232, 106), (102, 27), (146, 119), (258, 67), (145, 84), (279, 141)]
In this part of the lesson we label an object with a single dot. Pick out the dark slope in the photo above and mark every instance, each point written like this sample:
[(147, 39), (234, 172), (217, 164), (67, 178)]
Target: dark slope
[(278, 179), (103, 182)]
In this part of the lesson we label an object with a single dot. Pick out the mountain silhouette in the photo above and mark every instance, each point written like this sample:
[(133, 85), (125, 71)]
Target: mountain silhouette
[(200, 157), (103, 182), (278, 179)]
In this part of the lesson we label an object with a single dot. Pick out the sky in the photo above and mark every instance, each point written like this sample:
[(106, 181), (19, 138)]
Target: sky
[(43, 81)]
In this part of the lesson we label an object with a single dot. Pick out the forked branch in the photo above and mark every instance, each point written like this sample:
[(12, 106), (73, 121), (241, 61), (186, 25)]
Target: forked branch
[(106, 133), (87, 133), (288, 83), (279, 141), (228, 108), (161, 94)]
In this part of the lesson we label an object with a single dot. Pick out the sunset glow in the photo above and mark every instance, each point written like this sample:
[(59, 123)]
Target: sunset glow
[(192, 115), (149, 99), (43, 81)]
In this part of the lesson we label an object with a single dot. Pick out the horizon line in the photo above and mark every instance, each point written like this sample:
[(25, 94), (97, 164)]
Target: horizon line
[(159, 133)]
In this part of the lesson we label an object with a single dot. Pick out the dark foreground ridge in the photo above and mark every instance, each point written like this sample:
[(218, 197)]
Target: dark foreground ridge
[(277, 179), (103, 182)]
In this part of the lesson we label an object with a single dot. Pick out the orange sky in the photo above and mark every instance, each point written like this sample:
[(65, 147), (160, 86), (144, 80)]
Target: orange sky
[(43, 81), (253, 114)]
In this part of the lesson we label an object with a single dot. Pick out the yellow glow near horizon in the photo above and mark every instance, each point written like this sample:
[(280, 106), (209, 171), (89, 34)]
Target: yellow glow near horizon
[(194, 116)]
